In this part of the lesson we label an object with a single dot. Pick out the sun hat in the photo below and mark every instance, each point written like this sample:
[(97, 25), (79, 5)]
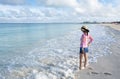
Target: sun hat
[(84, 28)]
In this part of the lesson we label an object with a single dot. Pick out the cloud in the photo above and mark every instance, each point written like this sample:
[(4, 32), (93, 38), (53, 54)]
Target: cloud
[(88, 6), (95, 8), (32, 14), (59, 11), (68, 3)]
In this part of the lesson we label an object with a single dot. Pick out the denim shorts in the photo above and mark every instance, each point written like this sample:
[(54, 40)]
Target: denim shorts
[(83, 50)]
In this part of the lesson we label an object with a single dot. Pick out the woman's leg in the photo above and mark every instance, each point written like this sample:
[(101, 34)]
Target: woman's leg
[(86, 59), (81, 57)]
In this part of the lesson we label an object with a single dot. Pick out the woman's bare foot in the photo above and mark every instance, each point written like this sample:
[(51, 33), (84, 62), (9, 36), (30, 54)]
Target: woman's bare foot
[(86, 65), (81, 68)]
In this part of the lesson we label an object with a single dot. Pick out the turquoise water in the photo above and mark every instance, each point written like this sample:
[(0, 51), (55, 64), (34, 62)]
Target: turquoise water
[(14, 38), (27, 51)]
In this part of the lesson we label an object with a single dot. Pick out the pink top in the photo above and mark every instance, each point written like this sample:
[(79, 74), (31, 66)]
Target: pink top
[(85, 40)]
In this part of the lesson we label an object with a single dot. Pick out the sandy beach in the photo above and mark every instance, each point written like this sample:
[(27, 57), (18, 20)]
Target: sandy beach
[(107, 67), (114, 26)]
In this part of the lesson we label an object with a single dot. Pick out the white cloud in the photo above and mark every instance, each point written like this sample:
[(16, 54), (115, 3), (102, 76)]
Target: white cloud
[(88, 6), (94, 8), (94, 5), (34, 14), (61, 10), (69, 3)]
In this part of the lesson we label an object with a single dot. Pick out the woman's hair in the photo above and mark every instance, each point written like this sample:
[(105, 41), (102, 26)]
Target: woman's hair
[(86, 32)]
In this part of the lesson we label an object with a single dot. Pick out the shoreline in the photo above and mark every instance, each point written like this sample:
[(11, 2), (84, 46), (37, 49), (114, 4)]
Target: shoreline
[(107, 67), (114, 26)]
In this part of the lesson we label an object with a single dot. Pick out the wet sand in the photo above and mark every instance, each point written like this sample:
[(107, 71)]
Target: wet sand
[(107, 67)]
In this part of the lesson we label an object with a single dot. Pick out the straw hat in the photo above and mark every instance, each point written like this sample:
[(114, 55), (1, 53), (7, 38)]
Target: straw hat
[(84, 28)]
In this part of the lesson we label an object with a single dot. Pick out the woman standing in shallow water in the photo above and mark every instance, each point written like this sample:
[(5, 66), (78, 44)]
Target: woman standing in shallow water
[(85, 41)]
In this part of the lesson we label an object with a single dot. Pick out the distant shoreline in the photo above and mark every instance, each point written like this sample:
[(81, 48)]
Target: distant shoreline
[(114, 26), (60, 22)]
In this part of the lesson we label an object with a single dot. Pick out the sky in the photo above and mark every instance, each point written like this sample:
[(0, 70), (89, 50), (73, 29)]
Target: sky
[(59, 10)]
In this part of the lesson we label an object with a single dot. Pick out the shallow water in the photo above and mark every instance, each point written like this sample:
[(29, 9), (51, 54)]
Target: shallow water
[(57, 56)]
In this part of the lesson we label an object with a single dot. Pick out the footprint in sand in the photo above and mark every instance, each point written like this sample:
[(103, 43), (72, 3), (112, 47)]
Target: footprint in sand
[(107, 73), (95, 73), (90, 68)]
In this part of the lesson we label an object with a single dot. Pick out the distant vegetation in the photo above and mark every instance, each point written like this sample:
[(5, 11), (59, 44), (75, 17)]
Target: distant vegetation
[(87, 22), (116, 22)]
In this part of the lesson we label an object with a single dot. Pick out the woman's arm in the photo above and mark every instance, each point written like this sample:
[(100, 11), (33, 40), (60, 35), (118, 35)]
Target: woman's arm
[(91, 39)]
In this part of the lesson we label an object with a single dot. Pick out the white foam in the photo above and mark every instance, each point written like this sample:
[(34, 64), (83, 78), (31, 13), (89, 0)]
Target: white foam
[(41, 75)]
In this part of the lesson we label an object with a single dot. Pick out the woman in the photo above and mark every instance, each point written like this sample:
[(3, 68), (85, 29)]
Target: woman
[(85, 41)]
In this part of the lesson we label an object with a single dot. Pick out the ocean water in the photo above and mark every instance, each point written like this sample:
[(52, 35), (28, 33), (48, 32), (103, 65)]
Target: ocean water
[(48, 51)]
